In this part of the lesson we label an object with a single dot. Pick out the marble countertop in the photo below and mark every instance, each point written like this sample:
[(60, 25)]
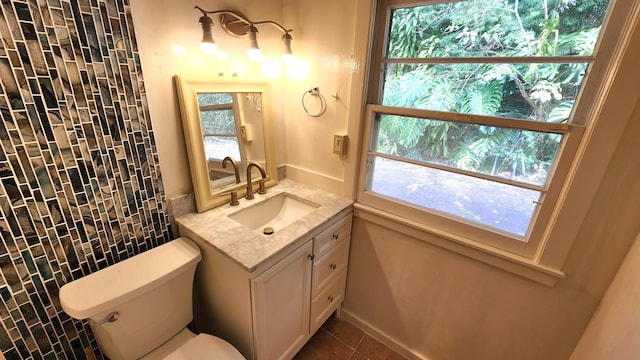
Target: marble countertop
[(247, 247)]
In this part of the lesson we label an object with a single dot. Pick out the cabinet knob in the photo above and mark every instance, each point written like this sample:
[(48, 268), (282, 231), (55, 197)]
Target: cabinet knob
[(333, 266), (330, 298), (335, 236), (311, 256)]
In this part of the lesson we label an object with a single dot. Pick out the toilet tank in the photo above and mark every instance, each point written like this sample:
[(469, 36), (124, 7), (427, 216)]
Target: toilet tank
[(150, 292)]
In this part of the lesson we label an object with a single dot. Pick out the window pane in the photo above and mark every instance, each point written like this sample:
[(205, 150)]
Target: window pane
[(218, 122), (218, 147), (496, 28), (205, 99), (540, 92), (520, 155), (496, 205)]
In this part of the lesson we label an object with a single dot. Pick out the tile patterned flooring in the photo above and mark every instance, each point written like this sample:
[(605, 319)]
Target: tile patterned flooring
[(340, 340)]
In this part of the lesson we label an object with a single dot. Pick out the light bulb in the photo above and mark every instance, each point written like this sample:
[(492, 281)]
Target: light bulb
[(209, 48), (254, 50), (287, 55), (288, 58), (255, 55)]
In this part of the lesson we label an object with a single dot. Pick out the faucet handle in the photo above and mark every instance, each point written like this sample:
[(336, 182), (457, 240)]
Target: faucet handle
[(261, 187), (233, 199), (249, 191)]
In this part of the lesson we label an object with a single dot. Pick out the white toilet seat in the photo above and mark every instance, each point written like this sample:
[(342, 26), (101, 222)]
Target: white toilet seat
[(186, 345), (205, 346)]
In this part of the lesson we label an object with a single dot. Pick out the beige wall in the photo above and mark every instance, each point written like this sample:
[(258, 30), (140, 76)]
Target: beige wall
[(332, 35), (328, 42), (432, 302), (251, 117), (441, 305), (614, 331), (161, 24)]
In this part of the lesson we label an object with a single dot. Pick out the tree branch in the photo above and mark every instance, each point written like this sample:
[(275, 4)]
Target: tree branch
[(537, 109), (524, 32)]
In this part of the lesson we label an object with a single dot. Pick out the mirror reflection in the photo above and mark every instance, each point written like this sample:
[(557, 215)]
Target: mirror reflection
[(227, 126), (232, 129)]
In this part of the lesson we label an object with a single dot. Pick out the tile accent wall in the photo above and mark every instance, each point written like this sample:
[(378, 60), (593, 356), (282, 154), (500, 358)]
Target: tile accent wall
[(80, 185)]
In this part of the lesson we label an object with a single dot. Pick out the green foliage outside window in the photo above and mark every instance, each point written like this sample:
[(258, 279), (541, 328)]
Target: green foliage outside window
[(542, 91), (220, 121)]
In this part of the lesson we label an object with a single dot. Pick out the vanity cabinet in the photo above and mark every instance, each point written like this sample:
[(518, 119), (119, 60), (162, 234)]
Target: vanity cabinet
[(280, 297), (330, 258), (271, 312)]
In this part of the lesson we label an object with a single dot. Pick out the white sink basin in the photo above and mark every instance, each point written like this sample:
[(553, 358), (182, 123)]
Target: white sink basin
[(275, 212)]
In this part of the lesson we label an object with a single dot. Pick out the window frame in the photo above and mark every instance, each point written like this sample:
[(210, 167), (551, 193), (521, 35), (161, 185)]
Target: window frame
[(459, 227), (466, 237)]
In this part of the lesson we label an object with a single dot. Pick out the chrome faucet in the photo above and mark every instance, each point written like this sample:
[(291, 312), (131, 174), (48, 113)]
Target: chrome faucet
[(261, 190), (236, 172)]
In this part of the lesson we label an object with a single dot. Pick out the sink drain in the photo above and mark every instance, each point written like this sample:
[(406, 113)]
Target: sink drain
[(268, 231)]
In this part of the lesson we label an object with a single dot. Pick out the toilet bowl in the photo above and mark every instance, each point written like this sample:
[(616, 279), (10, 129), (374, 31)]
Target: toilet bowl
[(188, 346), (139, 308)]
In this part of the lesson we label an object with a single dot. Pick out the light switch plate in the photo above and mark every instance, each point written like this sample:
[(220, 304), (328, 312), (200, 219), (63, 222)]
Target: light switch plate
[(339, 144), (246, 133)]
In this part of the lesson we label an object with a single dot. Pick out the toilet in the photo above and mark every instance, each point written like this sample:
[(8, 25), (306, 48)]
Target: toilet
[(139, 308)]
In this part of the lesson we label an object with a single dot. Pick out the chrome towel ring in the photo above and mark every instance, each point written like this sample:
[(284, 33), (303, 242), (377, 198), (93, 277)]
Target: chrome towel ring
[(314, 92)]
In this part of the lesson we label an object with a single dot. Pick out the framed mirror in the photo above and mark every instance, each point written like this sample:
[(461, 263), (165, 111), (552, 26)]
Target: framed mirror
[(225, 124)]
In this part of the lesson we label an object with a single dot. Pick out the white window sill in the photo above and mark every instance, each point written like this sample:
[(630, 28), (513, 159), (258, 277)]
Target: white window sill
[(500, 259)]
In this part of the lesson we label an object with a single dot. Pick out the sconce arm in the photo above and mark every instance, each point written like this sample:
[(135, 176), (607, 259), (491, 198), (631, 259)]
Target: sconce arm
[(282, 28), (243, 19)]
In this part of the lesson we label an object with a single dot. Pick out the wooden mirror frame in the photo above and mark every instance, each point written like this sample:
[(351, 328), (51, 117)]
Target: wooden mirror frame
[(186, 88)]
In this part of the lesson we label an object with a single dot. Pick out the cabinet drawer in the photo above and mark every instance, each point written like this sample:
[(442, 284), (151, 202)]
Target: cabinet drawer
[(327, 301), (327, 239), (327, 268)]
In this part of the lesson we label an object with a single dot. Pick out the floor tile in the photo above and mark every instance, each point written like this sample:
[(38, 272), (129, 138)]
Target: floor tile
[(349, 334), (357, 356), (340, 340), (375, 350), (324, 346)]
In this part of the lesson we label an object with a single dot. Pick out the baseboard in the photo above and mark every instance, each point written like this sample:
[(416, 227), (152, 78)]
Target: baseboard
[(380, 336)]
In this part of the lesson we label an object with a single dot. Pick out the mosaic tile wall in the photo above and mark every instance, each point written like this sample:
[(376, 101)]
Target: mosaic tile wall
[(80, 185)]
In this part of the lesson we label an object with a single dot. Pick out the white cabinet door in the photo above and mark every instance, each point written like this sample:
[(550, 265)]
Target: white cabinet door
[(281, 306)]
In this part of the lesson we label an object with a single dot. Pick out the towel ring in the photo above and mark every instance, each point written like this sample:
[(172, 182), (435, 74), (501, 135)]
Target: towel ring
[(314, 91)]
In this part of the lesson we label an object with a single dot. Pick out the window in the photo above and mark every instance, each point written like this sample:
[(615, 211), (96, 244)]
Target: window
[(476, 110), (218, 126)]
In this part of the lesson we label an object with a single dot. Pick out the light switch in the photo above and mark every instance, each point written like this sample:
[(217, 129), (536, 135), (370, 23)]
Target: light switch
[(246, 133), (339, 144)]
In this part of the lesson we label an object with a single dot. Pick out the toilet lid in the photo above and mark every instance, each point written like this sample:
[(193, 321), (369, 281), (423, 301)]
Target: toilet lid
[(205, 346)]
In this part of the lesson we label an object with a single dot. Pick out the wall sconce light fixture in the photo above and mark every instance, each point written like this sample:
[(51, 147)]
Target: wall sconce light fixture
[(236, 24)]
